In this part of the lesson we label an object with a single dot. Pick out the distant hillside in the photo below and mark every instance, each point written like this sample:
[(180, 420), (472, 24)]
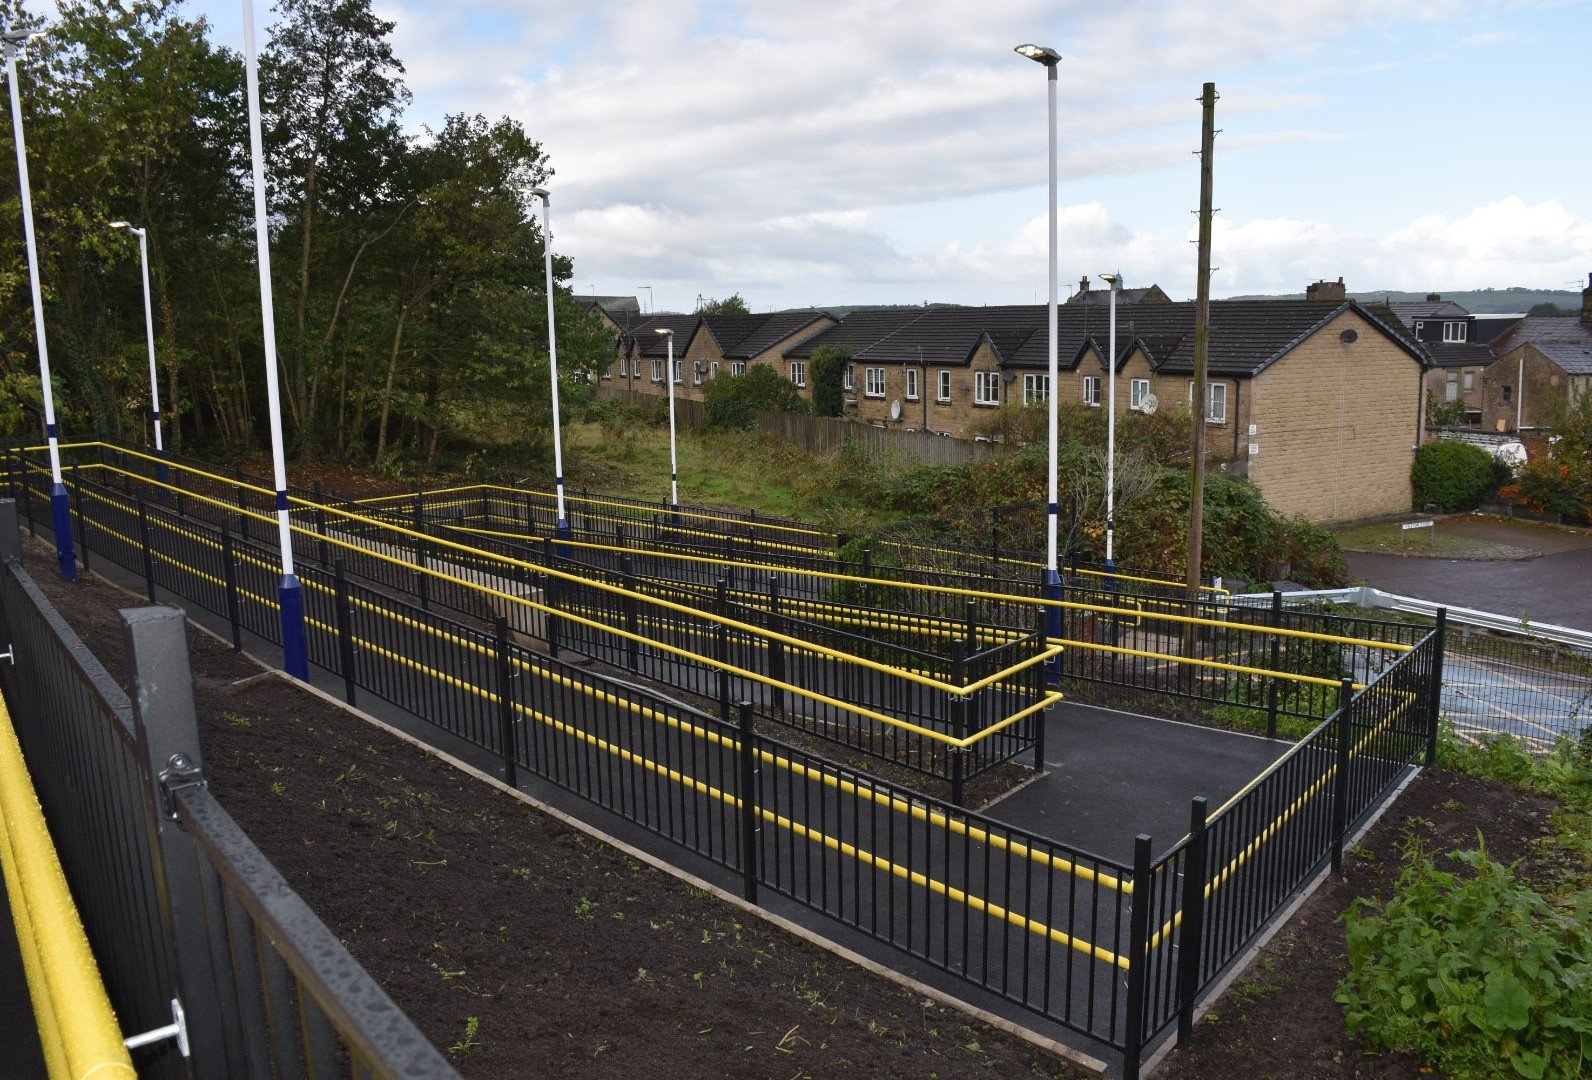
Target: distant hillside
[(1513, 300)]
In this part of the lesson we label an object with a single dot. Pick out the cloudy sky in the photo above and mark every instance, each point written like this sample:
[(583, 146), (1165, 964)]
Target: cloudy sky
[(893, 151)]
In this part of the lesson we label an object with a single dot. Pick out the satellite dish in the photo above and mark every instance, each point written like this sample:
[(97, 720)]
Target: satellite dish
[(895, 409), (1149, 403)]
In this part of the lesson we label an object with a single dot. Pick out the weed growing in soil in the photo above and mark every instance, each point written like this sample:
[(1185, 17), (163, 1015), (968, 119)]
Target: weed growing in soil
[(472, 1025)]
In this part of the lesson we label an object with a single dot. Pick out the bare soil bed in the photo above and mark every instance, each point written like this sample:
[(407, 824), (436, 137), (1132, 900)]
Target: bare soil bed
[(572, 958), (525, 947)]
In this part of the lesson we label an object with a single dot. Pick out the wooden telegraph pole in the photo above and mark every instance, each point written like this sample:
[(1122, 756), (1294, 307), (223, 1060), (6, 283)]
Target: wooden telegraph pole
[(1202, 335)]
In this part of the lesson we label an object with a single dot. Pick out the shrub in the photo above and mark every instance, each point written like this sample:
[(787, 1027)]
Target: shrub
[(730, 414), (1479, 975), (733, 401), (829, 380), (1452, 475)]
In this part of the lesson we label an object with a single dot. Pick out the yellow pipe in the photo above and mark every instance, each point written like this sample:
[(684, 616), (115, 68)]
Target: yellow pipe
[(77, 1025)]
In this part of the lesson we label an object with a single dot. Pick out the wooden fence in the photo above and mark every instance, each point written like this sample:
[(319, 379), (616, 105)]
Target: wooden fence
[(821, 434)]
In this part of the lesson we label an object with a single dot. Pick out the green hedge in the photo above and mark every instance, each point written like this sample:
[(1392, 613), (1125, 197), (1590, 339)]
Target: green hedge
[(1452, 475)]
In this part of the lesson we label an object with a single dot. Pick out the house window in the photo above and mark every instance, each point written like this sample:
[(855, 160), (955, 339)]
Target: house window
[(737, 367), (636, 372), (1453, 386), (1507, 394), (1215, 402), (912, 384), (657, 371), (944, 392), (1454, 331), (696, 373), (1418, 327), (1036, 389), (798, 373), (679, 371), (851, 378), (713, 370), (1091, 390), (608, 372), (1470, 380), (986, 388), (1138, 390), (873, 381)]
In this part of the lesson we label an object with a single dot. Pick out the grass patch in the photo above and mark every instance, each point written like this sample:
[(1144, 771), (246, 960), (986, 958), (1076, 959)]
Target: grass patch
[(1390, 538)]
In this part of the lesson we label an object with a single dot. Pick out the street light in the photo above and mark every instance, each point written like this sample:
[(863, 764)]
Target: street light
[(295, 645), (1115, 281), (674, 465), (1050, 59), (562, 526), (13, 42), (162, 470)]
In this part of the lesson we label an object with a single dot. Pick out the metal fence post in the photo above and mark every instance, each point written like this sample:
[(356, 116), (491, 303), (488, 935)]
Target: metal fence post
[(1436, 706), (631, 614), (1138, 959), (550, 596), (776, 647), (146, 554), (77, 512), (749, 807), (505, 692), (1276, 646), (166, 727), (1340, 779), (1191, 939), (320, 524), (229, 574), (345, 627), (957, 703), (722, 647), (10, 531)]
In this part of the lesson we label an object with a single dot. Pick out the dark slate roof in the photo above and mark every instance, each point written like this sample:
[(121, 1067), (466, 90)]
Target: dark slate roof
[(774, 329), (1575, 359), (856, 331), (1150, 294), (951, 335), (613, 305), (654, 344), (1544, 331), (1458, 354), (1410, 310)]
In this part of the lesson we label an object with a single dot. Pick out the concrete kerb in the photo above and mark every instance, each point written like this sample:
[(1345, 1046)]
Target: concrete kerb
[(1092, 1065)]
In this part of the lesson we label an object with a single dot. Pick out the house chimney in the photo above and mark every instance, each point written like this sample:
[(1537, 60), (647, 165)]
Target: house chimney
[(1432, 297), (1326, 290), (1586, 303), (1083, 284)]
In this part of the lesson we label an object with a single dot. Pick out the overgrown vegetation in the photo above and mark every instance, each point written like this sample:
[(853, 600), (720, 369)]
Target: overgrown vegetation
[(1453, 475), (829, 380), (1558, 478), (733, 401)]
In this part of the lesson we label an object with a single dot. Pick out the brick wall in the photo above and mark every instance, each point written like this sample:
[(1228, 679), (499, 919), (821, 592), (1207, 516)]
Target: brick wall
[(1336, 425), (1547, 390)]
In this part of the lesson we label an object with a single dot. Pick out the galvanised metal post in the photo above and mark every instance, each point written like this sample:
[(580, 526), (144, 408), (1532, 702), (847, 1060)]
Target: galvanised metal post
[(162, 469), (13, 42), (1050, 58), (1138, 959), (1436, 703), (1340, 781), (674, 461), (1190, 943), (1115, 281), (290, 592), (562, 525)]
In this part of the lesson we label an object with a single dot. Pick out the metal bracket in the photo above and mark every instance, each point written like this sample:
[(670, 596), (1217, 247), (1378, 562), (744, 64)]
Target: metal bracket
[(180, 773), (177, 1029), (10, 654)]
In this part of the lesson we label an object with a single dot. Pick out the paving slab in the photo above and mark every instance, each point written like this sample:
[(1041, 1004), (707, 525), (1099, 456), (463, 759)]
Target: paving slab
[(1112, 775)]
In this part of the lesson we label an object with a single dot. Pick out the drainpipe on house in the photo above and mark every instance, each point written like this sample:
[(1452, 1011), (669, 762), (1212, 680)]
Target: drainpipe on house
[(1520, 391)]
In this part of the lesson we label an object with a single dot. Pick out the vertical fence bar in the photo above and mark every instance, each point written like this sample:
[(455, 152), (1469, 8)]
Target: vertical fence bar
[(147, 556), (631, 614), (549, 595), (1192, 938), (1276, 645), (229, 573), (320, 524), (1436, 703), (505, 692), (345, 628), (748, 807), (776, 647), (1138, 959), (82, 521), (1340, 779), (957, 710), (721, 645)]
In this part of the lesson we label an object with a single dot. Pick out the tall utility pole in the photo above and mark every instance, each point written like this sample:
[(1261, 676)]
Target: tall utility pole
[(1202, 343)]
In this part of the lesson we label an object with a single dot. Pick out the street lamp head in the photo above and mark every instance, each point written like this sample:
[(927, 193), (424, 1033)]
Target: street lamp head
[(17, 37), (537, 193), (664, 330), (1042, 54), (1113, 280)]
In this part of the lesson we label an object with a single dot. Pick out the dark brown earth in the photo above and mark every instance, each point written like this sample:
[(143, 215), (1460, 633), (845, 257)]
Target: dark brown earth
[(575, 959)]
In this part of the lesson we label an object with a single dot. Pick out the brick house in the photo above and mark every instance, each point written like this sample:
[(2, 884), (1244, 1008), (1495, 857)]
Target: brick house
[(704, 347), (1541, 364), (1455, 343)]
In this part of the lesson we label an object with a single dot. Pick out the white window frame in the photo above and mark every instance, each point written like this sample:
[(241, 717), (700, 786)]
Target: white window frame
[(713, 370), (1455, 333), (1036, 389), (657, 371), (873, 382), (912, 384), (1416, 327), (737, 367), (1091, 391), (1138, 390), (943, 387), (986, 388), (1451, 387), (679, 372), (798, 372), (696, 373), (1470, 379), (608, 372), (851, 379), (1214, 392)]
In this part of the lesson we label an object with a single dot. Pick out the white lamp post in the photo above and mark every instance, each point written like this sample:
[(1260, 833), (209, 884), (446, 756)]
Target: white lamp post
[(1050, 59), (295, 645), (562, 526), (162, 470), (1115, 281), (674, 463), (13, 42)]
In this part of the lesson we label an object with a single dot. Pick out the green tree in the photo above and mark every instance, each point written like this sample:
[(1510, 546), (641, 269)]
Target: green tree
[(829, 379), (730, 305), (1444, 413), (733, 401)]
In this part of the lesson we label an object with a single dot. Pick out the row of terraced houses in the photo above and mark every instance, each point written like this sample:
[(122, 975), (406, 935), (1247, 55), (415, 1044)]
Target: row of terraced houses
[(1320, 401)]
